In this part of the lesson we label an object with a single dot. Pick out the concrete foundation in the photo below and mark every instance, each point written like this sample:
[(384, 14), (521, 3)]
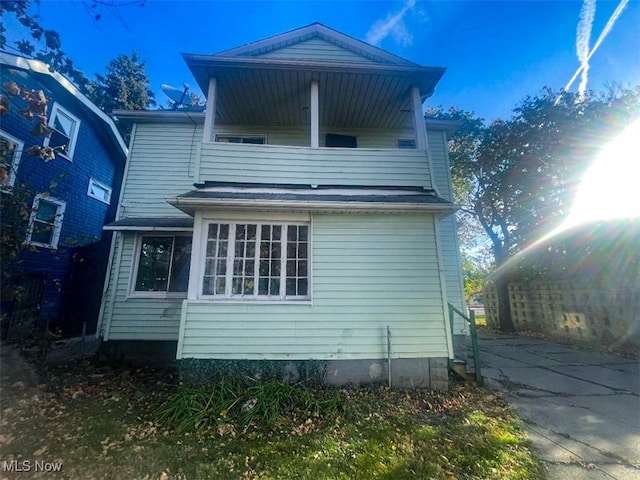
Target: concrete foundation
[(429, 373)]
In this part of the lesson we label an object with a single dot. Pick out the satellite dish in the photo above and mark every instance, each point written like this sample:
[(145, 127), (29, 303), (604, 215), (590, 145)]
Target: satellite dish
[(175, 94)]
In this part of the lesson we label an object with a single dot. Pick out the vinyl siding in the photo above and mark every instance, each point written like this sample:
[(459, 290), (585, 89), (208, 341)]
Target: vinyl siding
[(323, 166), (318, 50), (162, 164), (127, 318), (448, 227), (369, 271), (299, 136)]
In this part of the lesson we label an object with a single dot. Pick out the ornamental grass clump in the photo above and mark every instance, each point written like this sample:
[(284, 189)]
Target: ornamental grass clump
[(245, 401)]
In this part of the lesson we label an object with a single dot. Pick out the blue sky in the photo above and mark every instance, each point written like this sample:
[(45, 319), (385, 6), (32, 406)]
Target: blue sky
[(495, 52)]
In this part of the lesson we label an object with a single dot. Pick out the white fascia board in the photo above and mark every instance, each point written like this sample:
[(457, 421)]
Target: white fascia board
[(262, 204), (312, 191), (146, 229), (42, 68)]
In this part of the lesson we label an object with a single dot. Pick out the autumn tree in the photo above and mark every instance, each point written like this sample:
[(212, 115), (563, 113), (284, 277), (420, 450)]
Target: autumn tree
[(517, 178)]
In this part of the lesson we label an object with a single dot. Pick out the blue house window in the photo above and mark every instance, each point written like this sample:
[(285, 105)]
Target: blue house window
[(64, 131), (256, 261), (45, 222), (10, 153)]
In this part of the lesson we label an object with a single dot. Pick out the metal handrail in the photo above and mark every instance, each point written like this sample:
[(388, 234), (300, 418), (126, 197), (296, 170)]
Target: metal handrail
[(471, 320)]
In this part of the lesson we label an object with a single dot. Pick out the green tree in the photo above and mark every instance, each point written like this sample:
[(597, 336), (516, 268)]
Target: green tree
[(124, 86), (517, 178)]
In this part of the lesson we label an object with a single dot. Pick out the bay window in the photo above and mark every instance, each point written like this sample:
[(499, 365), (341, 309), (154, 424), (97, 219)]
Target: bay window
[(256, 261)]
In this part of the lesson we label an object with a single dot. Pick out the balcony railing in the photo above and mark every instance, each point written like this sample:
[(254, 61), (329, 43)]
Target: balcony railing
[(314, 166)]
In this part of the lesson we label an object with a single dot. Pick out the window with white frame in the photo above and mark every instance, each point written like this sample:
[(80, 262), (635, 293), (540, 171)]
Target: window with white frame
[(253, 139), (256, 261), (64, 131), (99, 191), (163, 264), (45, 222), (10, 153)]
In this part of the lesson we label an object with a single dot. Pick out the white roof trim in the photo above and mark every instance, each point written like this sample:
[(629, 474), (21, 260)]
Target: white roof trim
[(298, 205), (319, 30), (43, 69), (142, 228), (315, 191)]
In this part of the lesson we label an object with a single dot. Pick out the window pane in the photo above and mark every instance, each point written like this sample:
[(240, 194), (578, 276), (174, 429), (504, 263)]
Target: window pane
[(274, 286), (251, 232), (153, 267), (213, 231), (292, 250), (42, 233), (276, 232), (303, 232), (302, 250), (57, 139), (264, 268), (179, 281), (63, 124), (236, 286), (292, 233), (302, 268), (291, 286), (207, 285), (263, 286), (291, 268), (221, 283), (222, 248), (224, 232), (265, 232), (47, 211), (302, 286), (240, 230), (221, 267)]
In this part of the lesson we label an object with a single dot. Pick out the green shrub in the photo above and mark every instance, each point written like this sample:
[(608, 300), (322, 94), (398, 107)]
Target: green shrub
[(243, 401)]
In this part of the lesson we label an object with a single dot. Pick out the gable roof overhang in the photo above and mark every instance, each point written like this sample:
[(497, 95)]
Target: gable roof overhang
[(311, 198), (255, 89), (57, 83)]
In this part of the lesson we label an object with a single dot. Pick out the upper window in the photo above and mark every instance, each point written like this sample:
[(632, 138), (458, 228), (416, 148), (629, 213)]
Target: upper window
[(254, 139), (45, 222), (163, 264), (406, 143), (256, 261), (64, 131), (99, 191), (10, 153), (346, 141)]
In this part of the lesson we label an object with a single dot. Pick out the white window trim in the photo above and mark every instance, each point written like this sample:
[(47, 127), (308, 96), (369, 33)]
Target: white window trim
[(254, 299), (137, 247), (13, 168), (74, 135), (241, 135), (93, 181), (57, 225)]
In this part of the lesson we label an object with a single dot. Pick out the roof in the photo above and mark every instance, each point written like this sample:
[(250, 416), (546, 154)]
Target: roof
[(152, 224), (317, 30), (310, 197), (44, 74), (267, 82)]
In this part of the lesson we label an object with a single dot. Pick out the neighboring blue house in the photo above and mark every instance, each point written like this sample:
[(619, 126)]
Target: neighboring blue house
[(61, 268)]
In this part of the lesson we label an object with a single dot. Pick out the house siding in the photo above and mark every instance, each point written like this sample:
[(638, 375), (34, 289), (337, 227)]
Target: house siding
[(448, 227), (316, 49), (67, 180), (335, 166), (162, 164), (126, 318), (369, 271)]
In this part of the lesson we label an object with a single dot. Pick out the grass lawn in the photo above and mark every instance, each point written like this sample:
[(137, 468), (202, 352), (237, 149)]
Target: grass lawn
[(103, 423)]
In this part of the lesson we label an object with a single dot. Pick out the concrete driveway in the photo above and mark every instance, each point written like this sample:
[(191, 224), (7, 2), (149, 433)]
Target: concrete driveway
[(581, 409)]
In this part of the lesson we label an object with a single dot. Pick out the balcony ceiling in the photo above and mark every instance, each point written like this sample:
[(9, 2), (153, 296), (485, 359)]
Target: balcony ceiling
[(256, 92)]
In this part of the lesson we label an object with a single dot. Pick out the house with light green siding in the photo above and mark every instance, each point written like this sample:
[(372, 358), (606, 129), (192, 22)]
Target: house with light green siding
[(305, 215)]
